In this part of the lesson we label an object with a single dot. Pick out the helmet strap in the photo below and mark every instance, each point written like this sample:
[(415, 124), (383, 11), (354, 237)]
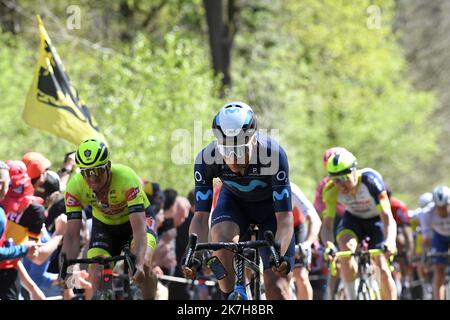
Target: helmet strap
[(105, 186)]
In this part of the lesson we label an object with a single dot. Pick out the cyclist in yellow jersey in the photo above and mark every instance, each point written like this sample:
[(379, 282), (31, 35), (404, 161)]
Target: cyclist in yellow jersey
[(367, 214), (118, 204)]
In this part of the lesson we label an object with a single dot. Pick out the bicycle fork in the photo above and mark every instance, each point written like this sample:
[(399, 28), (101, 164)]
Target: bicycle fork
[(240, 292)]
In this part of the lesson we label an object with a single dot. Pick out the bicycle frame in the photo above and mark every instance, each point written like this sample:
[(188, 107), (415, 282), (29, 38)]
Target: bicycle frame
[(363, 256), (106, 289), (240, 260)]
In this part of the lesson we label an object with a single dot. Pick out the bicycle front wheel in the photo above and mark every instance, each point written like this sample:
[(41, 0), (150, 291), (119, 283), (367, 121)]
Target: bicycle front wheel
[(364, 292), (103, 295)]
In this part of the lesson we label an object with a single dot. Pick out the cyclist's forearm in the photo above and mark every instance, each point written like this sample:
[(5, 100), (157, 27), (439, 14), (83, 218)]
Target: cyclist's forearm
[(327, 233), (314, 229), (141, 247), (285, 230), (199, 225), (390, 226), (71, 245), (139, 227)]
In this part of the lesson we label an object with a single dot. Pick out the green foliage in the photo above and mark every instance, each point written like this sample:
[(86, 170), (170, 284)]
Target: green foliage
[(323, 78), (312, 69), (17, 137), (146, 101)]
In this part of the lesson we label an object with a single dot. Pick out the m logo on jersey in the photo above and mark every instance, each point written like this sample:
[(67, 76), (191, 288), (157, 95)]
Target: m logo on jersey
[(71, 201), (131, 193)]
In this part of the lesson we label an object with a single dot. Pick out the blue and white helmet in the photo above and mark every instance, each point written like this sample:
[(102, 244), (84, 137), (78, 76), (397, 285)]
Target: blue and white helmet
[(425, 199), (235, 120), (441, 196)]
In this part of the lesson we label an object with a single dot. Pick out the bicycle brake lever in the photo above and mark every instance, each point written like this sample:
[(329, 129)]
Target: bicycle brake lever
[(64, 265), (129, 260), (190, 250), (268, 235)]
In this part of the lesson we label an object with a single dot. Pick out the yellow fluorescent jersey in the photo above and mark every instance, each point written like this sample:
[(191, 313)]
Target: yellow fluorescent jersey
[(369, 200), (125, 196)]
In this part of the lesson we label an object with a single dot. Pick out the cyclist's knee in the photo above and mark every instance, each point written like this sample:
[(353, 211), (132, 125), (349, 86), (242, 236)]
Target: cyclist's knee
[(225, 231), (347, 242)]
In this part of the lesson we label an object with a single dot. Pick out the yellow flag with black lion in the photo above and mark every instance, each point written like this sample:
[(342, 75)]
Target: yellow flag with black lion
[(52, 103)]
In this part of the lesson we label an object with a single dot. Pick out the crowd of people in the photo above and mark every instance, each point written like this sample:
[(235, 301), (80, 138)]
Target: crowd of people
[(91, 207)]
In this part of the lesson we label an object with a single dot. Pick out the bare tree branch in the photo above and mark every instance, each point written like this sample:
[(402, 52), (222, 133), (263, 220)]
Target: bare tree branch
[(153, 12)]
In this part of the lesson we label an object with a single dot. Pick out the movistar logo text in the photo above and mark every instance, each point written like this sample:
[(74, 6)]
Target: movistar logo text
[(203, 196), (280, 196)]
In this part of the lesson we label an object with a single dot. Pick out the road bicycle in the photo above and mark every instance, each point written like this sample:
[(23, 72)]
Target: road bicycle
[(241, 261), (113, 286), (368, 288)]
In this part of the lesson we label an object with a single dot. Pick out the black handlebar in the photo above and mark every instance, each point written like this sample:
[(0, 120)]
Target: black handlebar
[(192, 245), (268, 235), (104, 261)]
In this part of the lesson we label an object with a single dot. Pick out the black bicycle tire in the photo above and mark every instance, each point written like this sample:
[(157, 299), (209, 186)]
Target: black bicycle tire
[(366, 294)]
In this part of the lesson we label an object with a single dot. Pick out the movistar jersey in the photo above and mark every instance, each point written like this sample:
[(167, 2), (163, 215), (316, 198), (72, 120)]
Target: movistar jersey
[(366, 203), (266, 176), (125, 196)]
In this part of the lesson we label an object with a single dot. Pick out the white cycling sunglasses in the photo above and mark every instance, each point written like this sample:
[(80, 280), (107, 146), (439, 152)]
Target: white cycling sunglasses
[(237, 150)]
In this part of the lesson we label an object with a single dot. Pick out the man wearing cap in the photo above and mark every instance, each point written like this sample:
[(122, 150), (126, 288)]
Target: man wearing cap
[(23, 220), (37, 166), (7, 251)]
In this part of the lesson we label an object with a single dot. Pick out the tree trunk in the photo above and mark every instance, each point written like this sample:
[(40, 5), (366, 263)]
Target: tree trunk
[(221, 35), (9, 19)]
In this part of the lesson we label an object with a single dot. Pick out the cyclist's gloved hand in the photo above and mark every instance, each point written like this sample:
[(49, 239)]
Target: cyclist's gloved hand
[(284, 268), (330, 251), (390, 247), (190, 271), (139, 275)]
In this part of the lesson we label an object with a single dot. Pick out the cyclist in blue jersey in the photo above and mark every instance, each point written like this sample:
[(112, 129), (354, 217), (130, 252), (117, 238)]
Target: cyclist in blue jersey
[(255, 174)]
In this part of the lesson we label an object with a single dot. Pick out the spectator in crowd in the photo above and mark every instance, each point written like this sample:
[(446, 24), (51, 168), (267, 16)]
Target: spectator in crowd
[(67, 168), (37, 166), (183, 217), (7, 251)]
